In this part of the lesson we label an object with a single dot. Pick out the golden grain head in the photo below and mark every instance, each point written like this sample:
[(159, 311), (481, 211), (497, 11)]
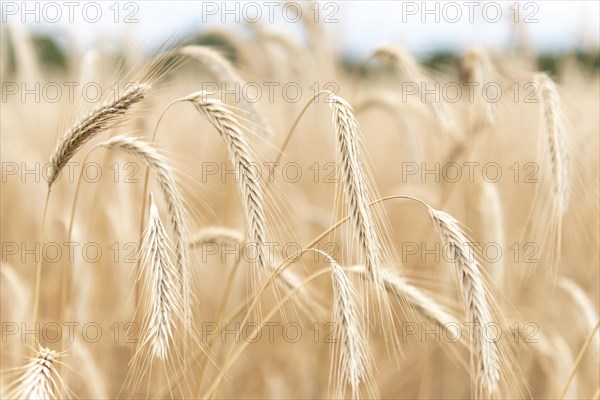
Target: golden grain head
[(394, 222)]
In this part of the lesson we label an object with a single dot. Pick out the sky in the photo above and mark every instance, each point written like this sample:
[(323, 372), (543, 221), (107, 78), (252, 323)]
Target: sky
[(354, 27)]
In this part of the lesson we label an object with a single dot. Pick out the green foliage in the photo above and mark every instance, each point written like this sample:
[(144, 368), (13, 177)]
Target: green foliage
[(218, 43), (441, 59), (49, 53)]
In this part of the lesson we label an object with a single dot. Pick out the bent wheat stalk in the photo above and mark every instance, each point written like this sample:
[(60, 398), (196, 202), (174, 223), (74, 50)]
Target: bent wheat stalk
[(252, 300), (166, 180), (96, 121), (248, 181), (222, 70), (355, 364), (354, 178), (101, 118), (431, 310), (474, 293)]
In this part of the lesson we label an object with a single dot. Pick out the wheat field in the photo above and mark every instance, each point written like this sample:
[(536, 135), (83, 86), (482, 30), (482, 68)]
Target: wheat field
[(259, 218)]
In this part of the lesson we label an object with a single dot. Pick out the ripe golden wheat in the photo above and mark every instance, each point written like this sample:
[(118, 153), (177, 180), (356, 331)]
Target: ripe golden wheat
[(195, 329)]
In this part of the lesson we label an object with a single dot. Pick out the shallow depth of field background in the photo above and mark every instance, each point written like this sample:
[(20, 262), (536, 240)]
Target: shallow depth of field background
[(545, 280)]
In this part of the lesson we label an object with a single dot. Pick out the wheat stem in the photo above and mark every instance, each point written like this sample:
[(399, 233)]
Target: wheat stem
[(578, 360), (38, 272)]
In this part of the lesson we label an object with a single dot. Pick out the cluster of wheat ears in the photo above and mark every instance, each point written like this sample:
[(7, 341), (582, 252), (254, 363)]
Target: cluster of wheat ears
[(377, 309)]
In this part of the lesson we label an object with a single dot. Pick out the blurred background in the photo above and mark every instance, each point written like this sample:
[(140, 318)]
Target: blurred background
[(431, 31), (343, 47)]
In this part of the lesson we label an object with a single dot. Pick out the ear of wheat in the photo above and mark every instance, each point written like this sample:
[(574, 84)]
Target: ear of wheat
[(40, 378), (351, 359), (475, 299), (477, 68), (164, 303), (223, 71), (240, 155), (249, 186), (166, 179), (354, 185), (556, 139), (101, 118)]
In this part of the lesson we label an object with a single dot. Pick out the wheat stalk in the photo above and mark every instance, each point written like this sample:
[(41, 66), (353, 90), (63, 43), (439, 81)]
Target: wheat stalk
[(413, 73), (213, 62), (354, 184), (251, 191), (556, 138), (164, 302), (96, 121), (584, 305), (431, 310), (248, 181), (40, 379), (353, 363), (166, 180), (475, 299), (223, 71)]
